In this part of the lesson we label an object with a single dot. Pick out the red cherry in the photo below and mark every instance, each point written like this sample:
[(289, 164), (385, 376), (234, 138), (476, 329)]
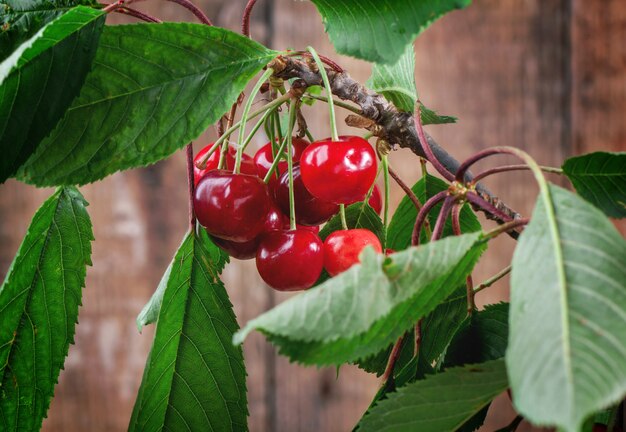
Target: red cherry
[(341, 171), (263, 158), (290, 260), (247, 164), (310, 211), (389, 251), (231, 206), (376, 201), (342, 248), (238, 250)]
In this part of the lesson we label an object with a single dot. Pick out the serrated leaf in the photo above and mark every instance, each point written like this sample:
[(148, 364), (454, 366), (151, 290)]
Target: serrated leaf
[(150, 312), (481, 337), (40, 79), (364, 309), (20, 20), (396, 81), (39, 302), (379, 31), (568, 286), (600, 178), (439, 403), (430, 117), (401, 225), (153, 88), (194, 377)]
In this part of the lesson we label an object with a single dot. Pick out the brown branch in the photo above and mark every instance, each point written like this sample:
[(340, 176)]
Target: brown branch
[(397, 128)]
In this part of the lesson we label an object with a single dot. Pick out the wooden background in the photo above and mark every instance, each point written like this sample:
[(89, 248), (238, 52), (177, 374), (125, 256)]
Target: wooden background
[(548, 76)]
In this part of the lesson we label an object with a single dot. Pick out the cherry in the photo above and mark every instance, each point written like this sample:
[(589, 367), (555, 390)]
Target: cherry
[(310, 211), (376, 201), (290, 260), (263, 158), (274, 221), (231, 206), (340, 171), (342, 248), (247, 164)]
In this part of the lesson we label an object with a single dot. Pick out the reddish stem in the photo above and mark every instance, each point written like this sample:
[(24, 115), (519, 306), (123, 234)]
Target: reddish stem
[(418, 338), (426, 147), (482, 203), (137, 14), (407, 190), (443, 216), (496, 170), (421, 216), (469, 282), (460, 173), (194, 10), (245, 21), (334, 66), (393, 358), (190, 184), (506, 227), (116, 5)]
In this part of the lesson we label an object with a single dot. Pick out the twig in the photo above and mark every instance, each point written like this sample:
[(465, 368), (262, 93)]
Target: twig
[(194, 10), (493, 279), (505, 227), (137, 14), (393, 358)]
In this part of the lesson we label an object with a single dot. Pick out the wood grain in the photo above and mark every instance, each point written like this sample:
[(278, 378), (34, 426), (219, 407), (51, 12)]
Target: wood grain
[(547, 77)]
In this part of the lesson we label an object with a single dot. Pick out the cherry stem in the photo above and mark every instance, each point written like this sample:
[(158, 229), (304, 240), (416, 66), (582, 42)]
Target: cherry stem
[(245, 20), (293, 109), (125, 10), (194, 10), (255, 129), (325, 59), (407, 190), (337, 102), (421, 216), (442, 217), (426, 147), (469, 283), (342, 215), (506, 168), (329, 92), (482, 203), (493, 279), (277, 158), (191, 186), (244, 117), (275, 103), (418, 338), (393, 358), (386, 179), (505, 227), (116, 5)]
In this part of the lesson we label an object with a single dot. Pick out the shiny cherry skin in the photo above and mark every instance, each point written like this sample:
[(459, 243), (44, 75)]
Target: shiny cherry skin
[(231, 206), (263, 158), (247, 164), (376, 201), (290, 260), (275, 221), (340, 171), (342, 248), (310, 211)]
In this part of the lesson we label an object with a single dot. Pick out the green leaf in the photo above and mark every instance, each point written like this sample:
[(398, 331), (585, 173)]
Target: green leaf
[(150, 312), (401, 225), (600, 178), (567, 345), (153, 88), (194, 377), (363, 310), (379, 31), (39, 81), (429, 116), (481, 337), (439, 403), (21, 19), (39, 302), (396, 81)]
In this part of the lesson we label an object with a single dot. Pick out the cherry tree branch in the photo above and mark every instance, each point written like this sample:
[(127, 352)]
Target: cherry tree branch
[(397, 128)]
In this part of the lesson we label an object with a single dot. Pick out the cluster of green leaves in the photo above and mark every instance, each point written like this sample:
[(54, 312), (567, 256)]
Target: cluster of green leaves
[(80, 100)]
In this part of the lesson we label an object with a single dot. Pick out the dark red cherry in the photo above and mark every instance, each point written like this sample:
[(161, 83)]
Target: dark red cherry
[(231, 206), (342, 248), (276, 220), (290, 260), (247, 164), (239, 250), (263, 158), (310, 211), (376, 201), (340, 171)]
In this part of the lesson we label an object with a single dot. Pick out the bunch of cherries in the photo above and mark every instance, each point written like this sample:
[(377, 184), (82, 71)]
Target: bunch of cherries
[(249, 218)]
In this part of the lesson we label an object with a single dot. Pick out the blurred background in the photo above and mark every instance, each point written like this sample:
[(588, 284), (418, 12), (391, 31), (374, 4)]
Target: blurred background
[(547, 76)]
